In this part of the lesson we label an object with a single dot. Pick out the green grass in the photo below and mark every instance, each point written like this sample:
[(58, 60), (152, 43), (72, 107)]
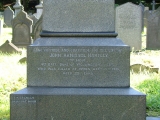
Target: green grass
[(13, 77)]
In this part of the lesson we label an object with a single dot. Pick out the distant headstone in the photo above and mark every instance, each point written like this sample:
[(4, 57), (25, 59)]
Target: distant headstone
[(8, 47), (143, 8), (1, 26), (78, 69), (129, 24), (22, 28), (146, 15), (153, 30), (37, 29), (8, 16), (34, 19)]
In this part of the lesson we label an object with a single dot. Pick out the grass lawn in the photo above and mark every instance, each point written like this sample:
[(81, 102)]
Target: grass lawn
[(13, 76)]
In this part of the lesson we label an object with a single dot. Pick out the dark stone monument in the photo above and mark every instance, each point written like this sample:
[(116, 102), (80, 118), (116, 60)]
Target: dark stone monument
[(78, 69)]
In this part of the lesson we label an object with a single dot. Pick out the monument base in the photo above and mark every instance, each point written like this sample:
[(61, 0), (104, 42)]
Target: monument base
[(40, 103)]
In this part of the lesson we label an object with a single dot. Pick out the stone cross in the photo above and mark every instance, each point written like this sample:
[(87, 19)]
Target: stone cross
[(18, 7), (153, 4)]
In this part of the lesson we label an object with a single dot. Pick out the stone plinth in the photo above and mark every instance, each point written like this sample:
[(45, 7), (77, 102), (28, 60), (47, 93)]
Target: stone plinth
[(78, 62), (78, 104)]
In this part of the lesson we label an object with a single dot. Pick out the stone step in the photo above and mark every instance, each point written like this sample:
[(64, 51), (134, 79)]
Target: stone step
[(78, 104)]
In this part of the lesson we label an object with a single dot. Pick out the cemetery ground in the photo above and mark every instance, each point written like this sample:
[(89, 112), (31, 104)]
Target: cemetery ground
[(13, 76)]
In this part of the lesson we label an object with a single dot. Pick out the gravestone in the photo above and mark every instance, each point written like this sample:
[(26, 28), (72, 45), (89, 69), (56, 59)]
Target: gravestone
[(153, 30), (8, 16), (129, 24), (146, 14), (8, 47), (78, 69), (18, 7), (143, 8), (37, 29), (22, 28), (34, 19)]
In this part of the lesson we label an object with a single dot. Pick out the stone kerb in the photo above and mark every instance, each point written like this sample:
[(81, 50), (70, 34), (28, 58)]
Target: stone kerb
[(129, 24), (22, 28)]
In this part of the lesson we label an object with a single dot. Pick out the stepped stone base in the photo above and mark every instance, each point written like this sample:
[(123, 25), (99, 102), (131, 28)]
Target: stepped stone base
[(39, 103)]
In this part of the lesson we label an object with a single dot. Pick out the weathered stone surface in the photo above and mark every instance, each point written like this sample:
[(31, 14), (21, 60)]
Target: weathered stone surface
[(78, 62), (34, 19), (8, 16), (153, 30), (143, 8), (22, 28), (78, 16), (37, 29), (129, 24), (78, 104)]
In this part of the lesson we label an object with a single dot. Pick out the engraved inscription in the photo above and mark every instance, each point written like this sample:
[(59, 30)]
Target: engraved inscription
[(23, 99), (77, 61)]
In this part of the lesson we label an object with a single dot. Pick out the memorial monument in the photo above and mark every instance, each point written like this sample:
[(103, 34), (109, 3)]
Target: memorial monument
[(78, 69)]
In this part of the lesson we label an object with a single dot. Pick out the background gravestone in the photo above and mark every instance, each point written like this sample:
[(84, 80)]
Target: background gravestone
[(78, 69), (143, 8), (153, 30), (37, 29), (8, 16), (34, 19), (129, 24), (22, 28)]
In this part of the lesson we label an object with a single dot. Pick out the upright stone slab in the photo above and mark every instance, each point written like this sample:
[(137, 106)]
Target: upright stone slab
[(8, 16), (129, 24), (22, 28), (37, 29), (34, 19), (78, 69), (143, 8), (153, 30)]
